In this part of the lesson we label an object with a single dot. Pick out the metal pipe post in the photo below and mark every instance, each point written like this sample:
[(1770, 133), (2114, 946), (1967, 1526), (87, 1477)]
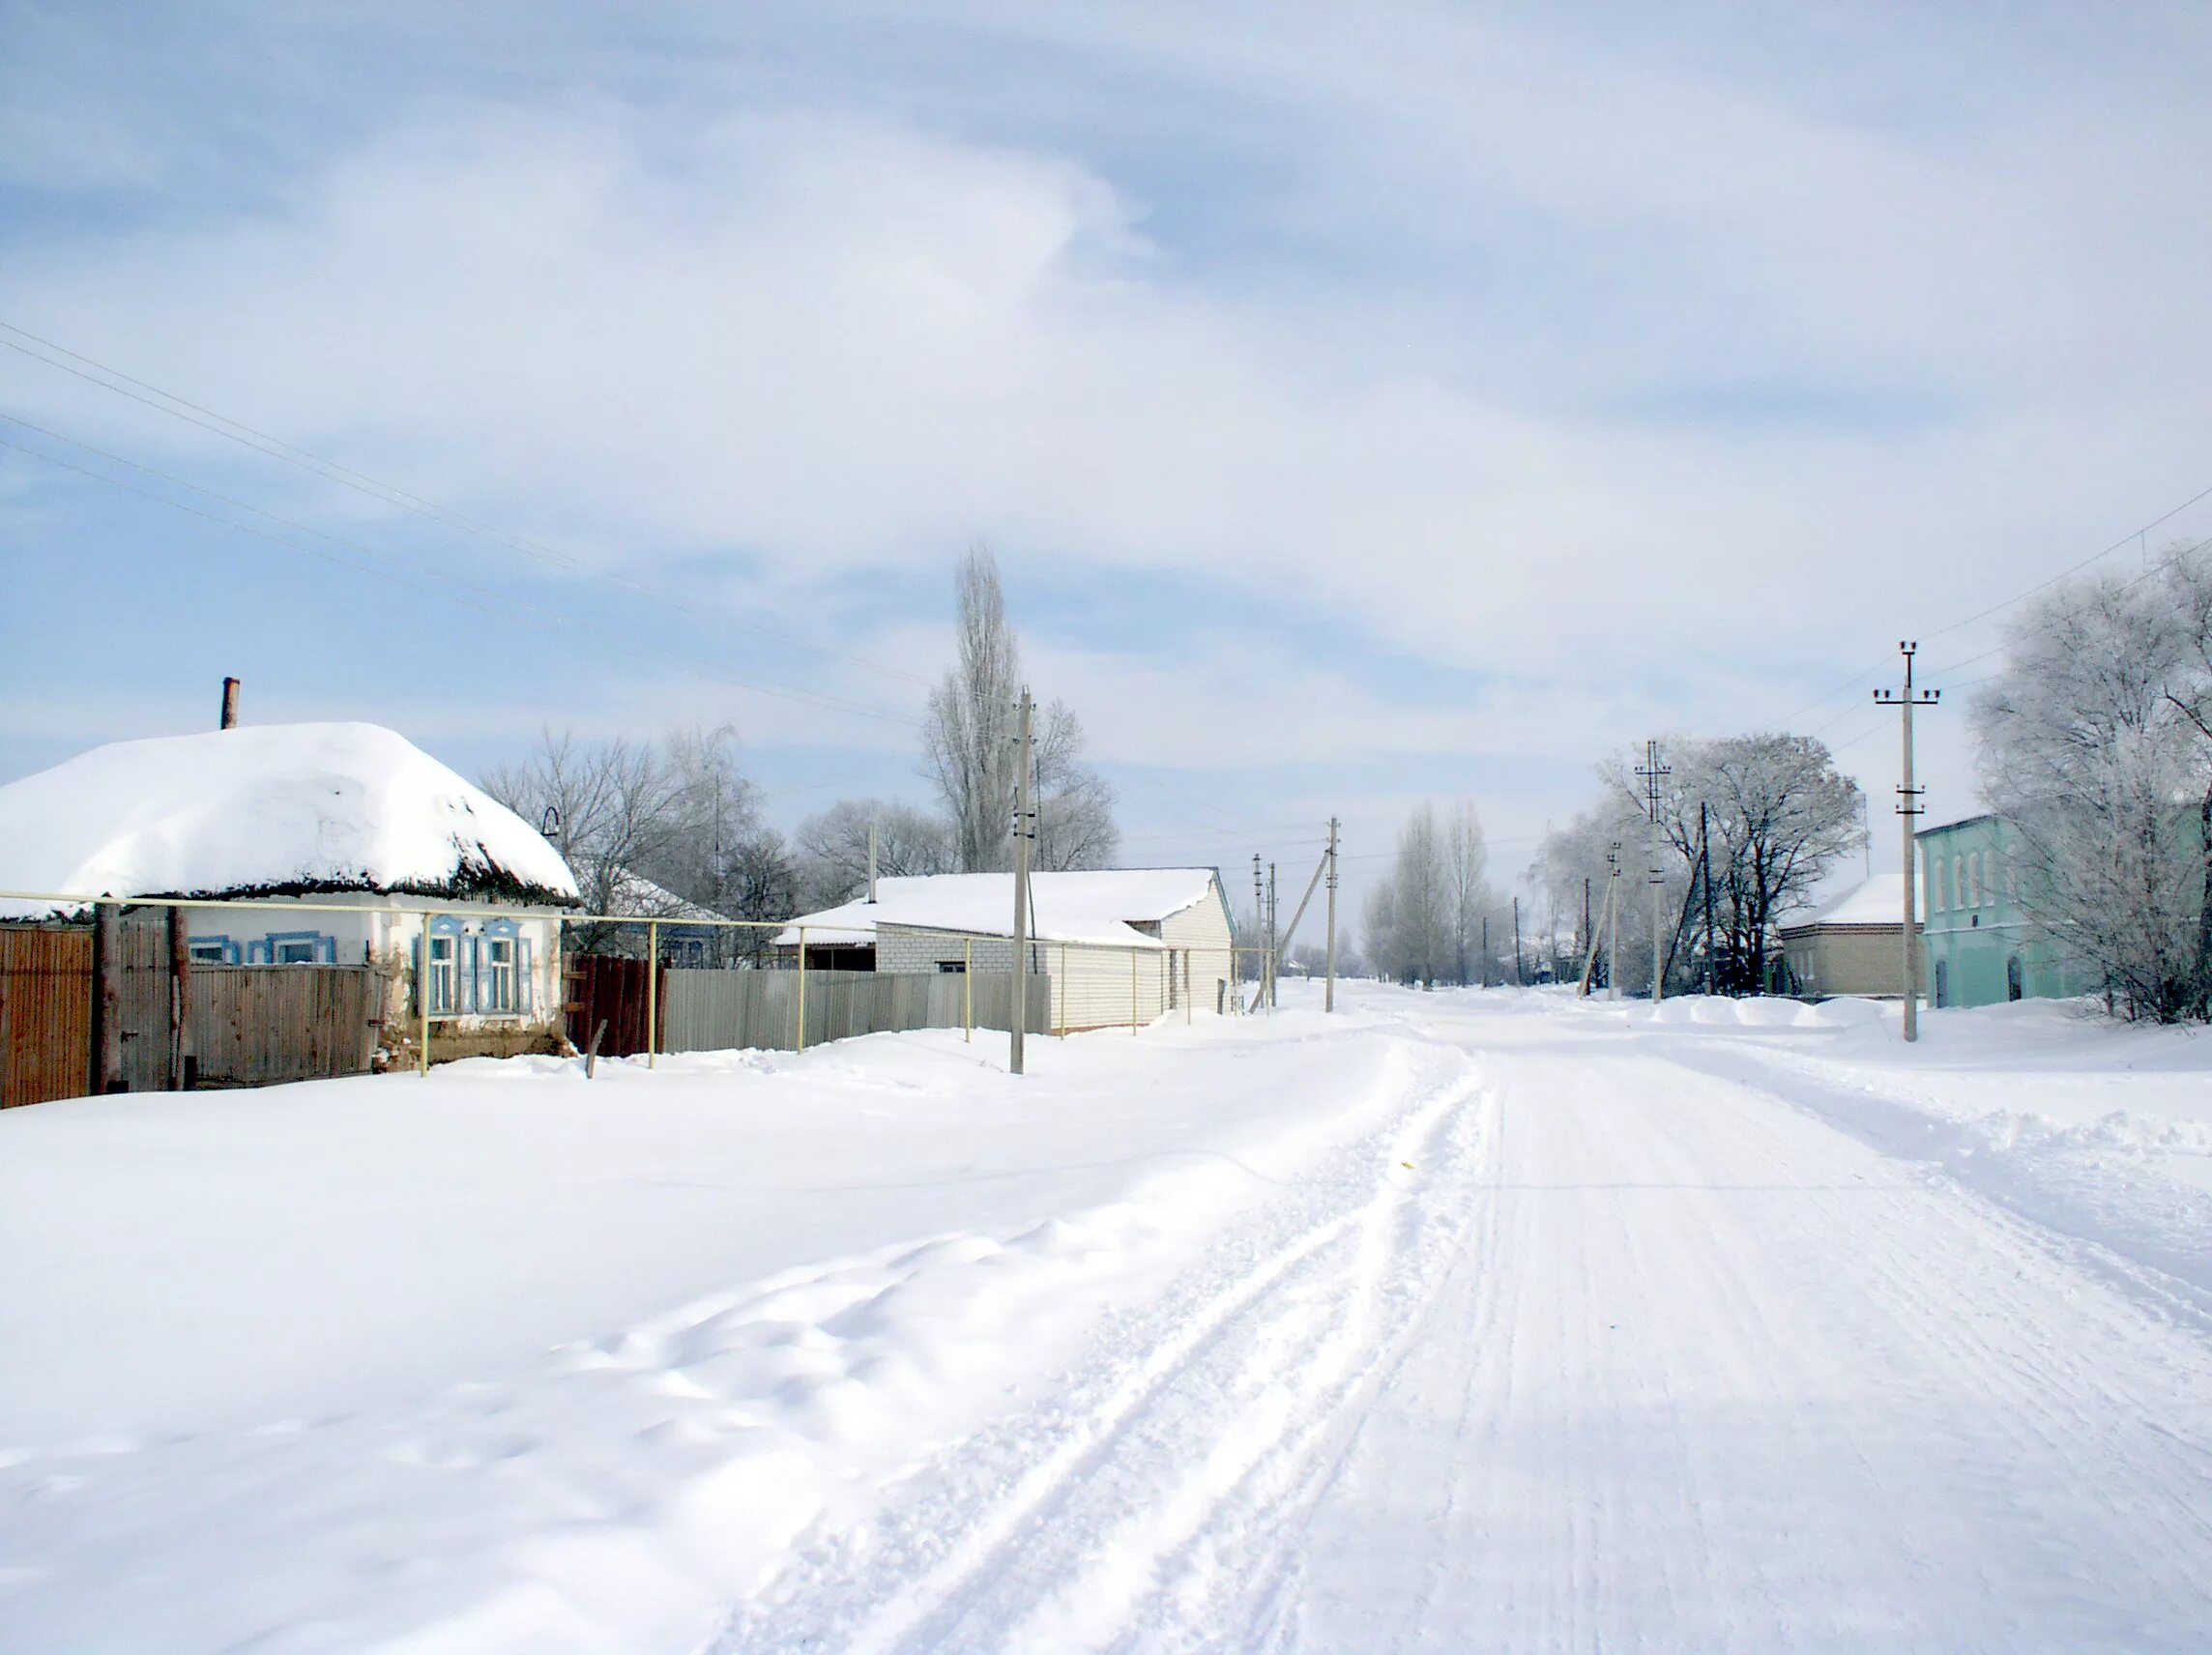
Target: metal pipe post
[(653, 993), (799, 1043), (423, 991)]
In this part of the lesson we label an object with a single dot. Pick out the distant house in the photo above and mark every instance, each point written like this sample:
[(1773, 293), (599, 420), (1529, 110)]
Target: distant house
[(689, 934), (330, 816), (1853, 945), (1981, 950), (1107, 938)]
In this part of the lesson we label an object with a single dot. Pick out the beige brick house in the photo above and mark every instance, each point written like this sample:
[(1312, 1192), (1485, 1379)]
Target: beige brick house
[(1850, 946)]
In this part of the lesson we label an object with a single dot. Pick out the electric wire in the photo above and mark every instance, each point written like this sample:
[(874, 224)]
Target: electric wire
[(391, 494), (462, 592)]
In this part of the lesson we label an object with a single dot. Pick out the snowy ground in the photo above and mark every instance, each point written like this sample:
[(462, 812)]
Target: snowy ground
[(1476, 1320)]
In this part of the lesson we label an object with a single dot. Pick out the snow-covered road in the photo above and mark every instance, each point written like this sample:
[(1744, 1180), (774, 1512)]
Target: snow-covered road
[(1588, 1351), (1458, 1321)]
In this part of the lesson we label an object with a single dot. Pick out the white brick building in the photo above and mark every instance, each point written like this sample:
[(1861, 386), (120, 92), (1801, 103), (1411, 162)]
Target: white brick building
[(1119, 945)]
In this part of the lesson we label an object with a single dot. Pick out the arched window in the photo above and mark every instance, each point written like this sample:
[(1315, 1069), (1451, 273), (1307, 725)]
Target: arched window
[(2016, 983), (1974, 880), (1958, 882)]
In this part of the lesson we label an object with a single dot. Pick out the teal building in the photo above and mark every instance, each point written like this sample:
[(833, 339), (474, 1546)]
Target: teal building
[(1980, 949)]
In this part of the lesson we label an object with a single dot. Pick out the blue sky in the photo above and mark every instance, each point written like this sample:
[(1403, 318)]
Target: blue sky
[(1365, 404)]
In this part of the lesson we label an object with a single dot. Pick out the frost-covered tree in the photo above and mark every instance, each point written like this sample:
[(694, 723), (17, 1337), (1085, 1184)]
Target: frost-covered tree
[(1410, 911), (1465, 856), (1778, 816), (2096, 744)]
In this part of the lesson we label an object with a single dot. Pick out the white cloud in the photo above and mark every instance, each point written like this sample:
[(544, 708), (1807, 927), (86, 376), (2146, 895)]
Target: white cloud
[(1465, 381)]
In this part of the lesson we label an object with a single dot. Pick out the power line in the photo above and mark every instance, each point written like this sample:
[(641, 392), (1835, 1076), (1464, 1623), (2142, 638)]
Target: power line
[(781, 692), (2076, 568), (391, 494), (2131, 536)]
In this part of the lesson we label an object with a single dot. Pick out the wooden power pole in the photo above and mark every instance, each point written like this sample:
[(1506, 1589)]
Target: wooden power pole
[(1909, 810), (106, 998), (1021, 1017)]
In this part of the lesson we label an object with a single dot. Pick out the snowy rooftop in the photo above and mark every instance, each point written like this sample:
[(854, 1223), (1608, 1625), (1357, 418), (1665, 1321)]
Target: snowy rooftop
[(635, 894), (272, 808), (1091, 907), (1878, 901)]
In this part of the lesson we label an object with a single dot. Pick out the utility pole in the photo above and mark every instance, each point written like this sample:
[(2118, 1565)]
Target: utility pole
[(1258, 934), (1328, 993), (1486, 950), (1908, 808), (1520, 979), (1274, 937), (871, 859), (1705, 885), (1021, 1017), (229, 705), (1588, 938), (1603, 932), (1654, 774)]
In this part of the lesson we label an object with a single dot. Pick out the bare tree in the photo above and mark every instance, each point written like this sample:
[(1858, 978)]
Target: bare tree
[(1410, 912), (1466, 855), (608, 808), (652, 831), (1075, 806), (834, 846), (968, 738)]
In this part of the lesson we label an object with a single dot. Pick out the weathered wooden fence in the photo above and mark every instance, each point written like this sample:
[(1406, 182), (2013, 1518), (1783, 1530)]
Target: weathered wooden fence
[(713, 1011), (247, 1025), (46, 1013), (605, 988)]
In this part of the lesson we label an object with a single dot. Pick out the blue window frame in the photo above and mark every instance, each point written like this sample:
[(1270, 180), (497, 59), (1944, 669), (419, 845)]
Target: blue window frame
[(445, 976), (501, 969), (482, 973), (214, 950), (298, 948)]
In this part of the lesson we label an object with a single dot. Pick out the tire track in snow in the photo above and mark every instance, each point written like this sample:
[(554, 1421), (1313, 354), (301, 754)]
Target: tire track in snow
[(1053, 1528), (1844, 1406)]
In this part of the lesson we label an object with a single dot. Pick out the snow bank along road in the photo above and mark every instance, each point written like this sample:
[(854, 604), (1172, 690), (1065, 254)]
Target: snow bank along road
[(1460, 1322)]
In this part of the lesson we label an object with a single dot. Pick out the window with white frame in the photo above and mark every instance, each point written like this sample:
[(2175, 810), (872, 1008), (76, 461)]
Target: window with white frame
[(495, 981), (444, 952)]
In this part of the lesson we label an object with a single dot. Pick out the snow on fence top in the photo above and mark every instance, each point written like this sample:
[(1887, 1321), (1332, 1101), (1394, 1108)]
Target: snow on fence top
[(1878, 901), (1099, 906), (269, 809)]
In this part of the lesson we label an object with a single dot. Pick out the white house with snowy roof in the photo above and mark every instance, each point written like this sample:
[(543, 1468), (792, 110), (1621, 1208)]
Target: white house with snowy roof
[(335, 825), (1110, 939)]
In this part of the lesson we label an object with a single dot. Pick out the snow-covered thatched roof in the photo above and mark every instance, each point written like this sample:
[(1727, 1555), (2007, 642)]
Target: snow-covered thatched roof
[(1099, 906), (272, 809)]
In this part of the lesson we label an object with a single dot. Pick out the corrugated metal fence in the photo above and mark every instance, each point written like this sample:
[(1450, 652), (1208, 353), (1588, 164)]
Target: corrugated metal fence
[(713, 1011)]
